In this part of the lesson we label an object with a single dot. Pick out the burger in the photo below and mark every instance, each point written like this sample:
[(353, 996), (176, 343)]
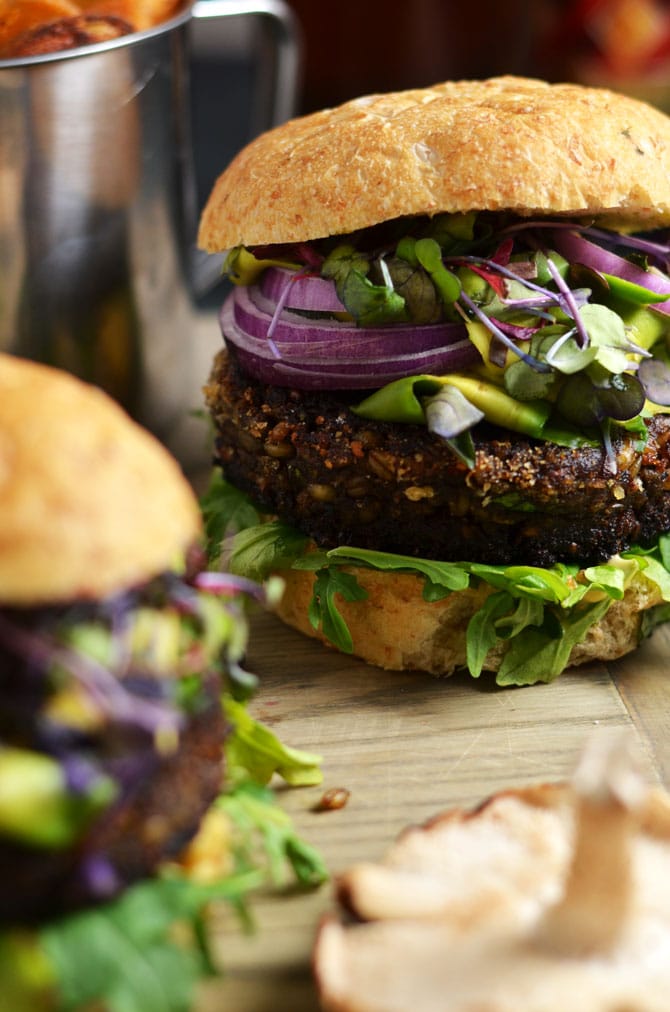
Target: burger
[(119, 662), (444, 388)]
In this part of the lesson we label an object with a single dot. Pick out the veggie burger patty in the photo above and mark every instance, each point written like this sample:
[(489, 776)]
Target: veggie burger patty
[(347, 480)]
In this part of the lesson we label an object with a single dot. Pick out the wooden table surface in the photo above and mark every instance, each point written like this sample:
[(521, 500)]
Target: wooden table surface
[(406, 746)]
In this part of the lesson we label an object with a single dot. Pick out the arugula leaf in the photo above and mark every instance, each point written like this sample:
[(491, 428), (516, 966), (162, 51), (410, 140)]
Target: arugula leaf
[(260, 549), (528, 611), (540, 613), (652, 618), (255, 814), (447, 576), (664, 550), (551, 585), (324, 612), (123, 952), (540, 654), (254, 749), (481, 633), (225, 511)]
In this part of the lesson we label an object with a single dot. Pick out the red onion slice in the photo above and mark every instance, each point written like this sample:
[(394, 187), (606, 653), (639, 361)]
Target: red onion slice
[(305, 291), (338, 356), (254, 318), (578, 250)]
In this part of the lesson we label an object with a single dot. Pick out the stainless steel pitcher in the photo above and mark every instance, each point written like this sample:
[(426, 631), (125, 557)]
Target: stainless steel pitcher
[(98, 270)]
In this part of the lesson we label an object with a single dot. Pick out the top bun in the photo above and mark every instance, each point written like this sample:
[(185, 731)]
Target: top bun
[(508, 143), (90, 503)]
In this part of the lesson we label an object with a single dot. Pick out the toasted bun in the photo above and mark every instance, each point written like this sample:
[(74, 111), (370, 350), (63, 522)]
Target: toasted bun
[(395, 628), (504, 144), (90, 503)]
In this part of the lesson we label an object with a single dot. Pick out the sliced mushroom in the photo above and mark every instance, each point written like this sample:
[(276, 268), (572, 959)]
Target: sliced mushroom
[(543, 898)]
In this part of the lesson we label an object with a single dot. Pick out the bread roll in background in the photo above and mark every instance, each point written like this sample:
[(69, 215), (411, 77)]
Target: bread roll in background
[(76, 519)]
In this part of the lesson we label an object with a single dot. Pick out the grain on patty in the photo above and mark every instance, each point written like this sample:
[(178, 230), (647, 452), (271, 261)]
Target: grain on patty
[(346, 480)]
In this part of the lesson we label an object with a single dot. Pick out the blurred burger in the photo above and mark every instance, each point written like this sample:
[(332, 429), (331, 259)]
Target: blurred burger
[(445, 377), (118, 656)]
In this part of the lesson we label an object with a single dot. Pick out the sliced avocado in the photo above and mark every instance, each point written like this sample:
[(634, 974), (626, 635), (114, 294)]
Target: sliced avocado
[(35, 804)]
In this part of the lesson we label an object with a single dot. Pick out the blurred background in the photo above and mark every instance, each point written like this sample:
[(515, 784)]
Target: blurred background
[(355, 47), (358, 46)]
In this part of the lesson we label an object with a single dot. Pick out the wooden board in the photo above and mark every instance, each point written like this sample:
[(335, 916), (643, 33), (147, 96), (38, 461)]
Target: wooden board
[(407, 746)]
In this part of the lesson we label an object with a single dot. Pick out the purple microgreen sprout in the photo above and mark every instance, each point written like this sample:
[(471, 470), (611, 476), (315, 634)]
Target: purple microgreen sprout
[(505, 272), (569, 303), (610, 456), (557, 345), (279, 309), (497, 332), (386, 274), (228, 585), (103, 686), (654, 375)]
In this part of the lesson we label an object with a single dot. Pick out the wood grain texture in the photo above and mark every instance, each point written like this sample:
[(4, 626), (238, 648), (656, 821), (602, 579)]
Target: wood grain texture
[(407, 746)]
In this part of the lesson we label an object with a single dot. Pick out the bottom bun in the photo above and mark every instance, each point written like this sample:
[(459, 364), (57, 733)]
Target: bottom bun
[(395, 628)]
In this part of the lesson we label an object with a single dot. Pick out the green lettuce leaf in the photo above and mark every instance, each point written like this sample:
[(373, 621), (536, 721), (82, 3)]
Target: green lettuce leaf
[(260, 550), (256, 751), (128, 955), (536, 615), (323, 611), (368, 303), (225, 511)]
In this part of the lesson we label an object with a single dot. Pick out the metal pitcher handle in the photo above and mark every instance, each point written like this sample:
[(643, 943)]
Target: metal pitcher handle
[(276, 94), (279, 23)]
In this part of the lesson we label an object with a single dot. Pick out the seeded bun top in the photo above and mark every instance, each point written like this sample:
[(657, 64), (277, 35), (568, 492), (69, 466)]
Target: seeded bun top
[(90, 503), (508, 143)]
